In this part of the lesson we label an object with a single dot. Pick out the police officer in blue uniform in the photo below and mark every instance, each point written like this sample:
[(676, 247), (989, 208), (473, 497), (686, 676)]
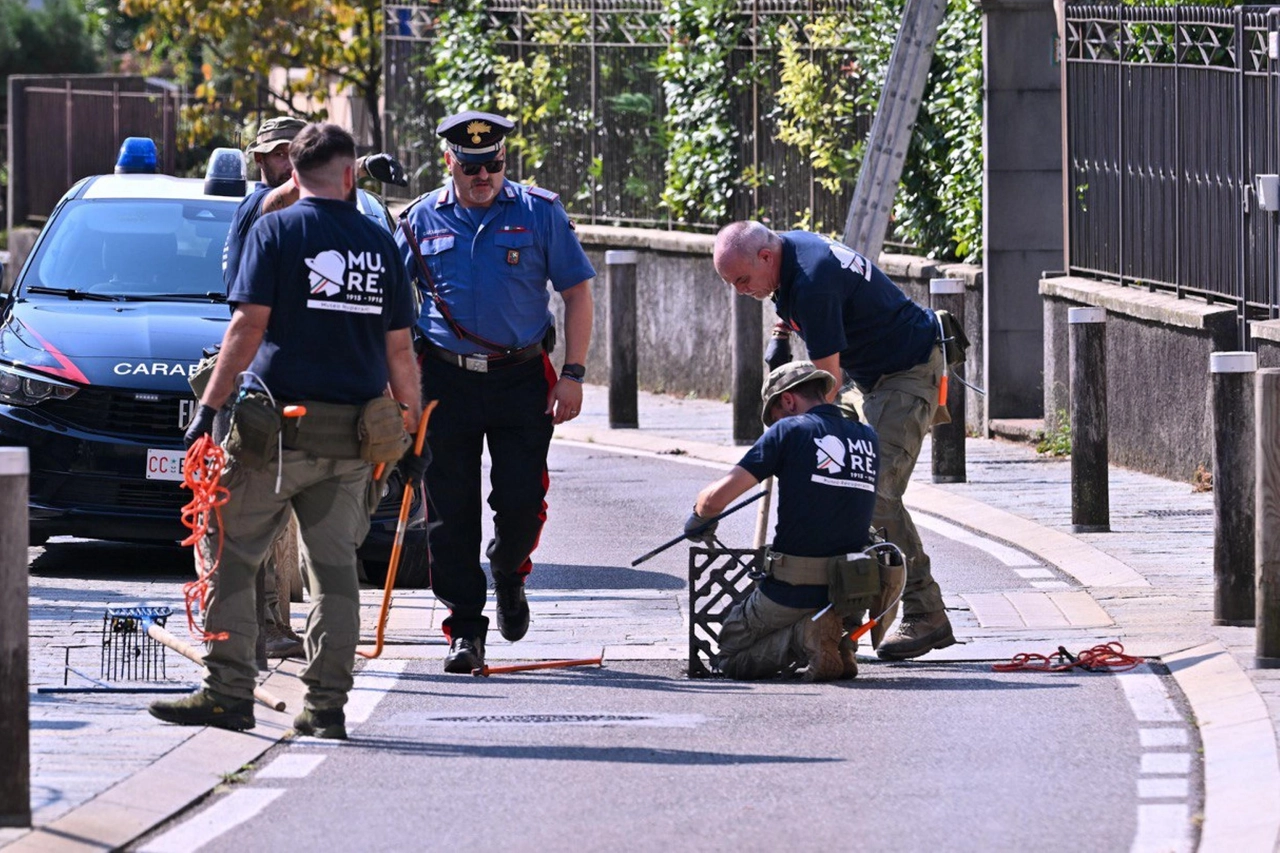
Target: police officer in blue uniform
[(322, 319), (482, 249), (825, 465), (852, 317)]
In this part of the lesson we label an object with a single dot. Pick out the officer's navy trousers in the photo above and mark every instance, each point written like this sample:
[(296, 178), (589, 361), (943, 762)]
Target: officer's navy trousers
[(507, 409)]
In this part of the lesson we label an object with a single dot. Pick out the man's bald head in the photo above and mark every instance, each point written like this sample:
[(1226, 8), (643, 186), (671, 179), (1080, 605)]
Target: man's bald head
[(748, 256)]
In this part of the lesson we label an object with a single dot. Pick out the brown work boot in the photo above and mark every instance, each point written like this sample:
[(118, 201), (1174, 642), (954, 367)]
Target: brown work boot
[(282, 642), (848, 659), (206, 708), (330, 723), (822, 645), (918, 634)]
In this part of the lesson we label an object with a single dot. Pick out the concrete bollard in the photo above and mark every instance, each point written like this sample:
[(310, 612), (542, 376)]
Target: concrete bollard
[(947, 294), (624, 406), (748, 368), (1090, 489), (15, 722), (1232, 378), (1267, 523)]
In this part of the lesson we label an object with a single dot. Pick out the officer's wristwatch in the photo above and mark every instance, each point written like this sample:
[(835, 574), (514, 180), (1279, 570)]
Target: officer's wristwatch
[(576, 372)]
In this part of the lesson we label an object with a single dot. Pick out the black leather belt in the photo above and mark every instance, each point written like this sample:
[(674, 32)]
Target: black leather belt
[(482, 362)]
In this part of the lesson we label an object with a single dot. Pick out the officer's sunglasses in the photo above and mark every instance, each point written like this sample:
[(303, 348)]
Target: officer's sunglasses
[(493, 167)]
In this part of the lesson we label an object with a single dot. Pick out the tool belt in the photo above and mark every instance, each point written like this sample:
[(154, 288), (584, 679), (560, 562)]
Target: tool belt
[(372, 431), (482, 362), (851, 579)]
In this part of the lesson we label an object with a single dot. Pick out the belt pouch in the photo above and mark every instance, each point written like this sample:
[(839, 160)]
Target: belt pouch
[(852, 582), (199, 378), (381, 431), (327, 430), (254, 432)]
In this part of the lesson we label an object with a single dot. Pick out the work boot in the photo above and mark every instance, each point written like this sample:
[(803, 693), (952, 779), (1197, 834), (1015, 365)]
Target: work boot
[(513, 609), (464, 655), (330, 723), (206, 708), (848, 659), (918, 634), (282, 642), (822, 646)]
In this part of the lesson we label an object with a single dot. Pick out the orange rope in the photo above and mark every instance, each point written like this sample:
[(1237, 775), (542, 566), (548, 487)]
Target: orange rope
[(1109, 657), (202, 473)]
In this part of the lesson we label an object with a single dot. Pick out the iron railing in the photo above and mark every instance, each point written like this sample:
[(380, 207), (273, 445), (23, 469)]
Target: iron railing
[(1170, 115), (610, 167)]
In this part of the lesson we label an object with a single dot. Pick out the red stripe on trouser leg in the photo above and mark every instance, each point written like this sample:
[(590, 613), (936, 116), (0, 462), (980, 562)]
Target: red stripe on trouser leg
[(549, 371)]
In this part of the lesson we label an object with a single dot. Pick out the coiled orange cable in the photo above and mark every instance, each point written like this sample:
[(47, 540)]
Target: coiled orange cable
[(1109, 657), (202, 474)]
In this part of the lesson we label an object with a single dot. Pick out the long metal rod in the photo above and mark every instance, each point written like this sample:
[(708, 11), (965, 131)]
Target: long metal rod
[(730, 511)]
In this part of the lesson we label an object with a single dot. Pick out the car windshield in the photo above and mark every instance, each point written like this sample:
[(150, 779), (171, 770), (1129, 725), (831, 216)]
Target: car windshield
[(135, 248)]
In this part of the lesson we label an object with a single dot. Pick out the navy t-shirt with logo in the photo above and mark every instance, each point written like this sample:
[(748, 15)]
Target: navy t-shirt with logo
[(840, 302), (335, 285), (826, 466), (247, 213)]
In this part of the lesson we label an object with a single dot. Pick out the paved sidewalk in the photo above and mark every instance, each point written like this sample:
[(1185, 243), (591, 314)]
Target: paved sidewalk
[(102, 773)]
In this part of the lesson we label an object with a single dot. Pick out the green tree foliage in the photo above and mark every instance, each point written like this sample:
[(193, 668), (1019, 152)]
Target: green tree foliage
[(50, 40), (228, 47)]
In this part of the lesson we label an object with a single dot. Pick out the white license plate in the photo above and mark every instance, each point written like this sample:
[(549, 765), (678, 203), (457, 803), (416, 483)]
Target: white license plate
[(165, 464)]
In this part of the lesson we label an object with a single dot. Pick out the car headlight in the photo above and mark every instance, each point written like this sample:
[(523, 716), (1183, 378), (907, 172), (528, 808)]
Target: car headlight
[(20, 387)]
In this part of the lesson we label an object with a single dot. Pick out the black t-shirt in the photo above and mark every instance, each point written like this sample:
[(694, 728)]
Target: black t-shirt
[(335, 286), (249, 211), (842, 303), (826, 468)]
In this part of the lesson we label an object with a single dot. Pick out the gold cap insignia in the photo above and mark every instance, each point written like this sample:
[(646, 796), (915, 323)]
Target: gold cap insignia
[(477, 129)]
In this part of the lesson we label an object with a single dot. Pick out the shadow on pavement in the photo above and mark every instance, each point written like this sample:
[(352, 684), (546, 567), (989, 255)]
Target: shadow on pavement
[(604, 754)]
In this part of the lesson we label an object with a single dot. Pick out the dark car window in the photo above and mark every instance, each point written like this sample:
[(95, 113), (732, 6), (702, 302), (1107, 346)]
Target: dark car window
[(132, 247)]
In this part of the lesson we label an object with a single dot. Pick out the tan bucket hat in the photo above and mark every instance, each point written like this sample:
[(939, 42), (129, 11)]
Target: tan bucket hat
[(789, 376), (274, 132)]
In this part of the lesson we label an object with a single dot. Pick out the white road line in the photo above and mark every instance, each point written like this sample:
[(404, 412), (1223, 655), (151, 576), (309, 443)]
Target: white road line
[(211, 823), (1051, 585), (290, 766), (1158, 788), (1003, 553), (372, 683), (1163, 737), (1162, 828), (1033, 574), (1166, 762), (1147, 696)]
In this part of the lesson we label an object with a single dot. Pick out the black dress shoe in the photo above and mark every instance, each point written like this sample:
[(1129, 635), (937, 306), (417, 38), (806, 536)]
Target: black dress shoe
[(513, 610), (464, 656)]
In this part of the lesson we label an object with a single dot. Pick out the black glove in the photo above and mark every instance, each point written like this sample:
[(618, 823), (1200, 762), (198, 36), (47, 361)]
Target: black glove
[(201, 424), (387, 169), (413, 466), (698, 529), (778, 352)]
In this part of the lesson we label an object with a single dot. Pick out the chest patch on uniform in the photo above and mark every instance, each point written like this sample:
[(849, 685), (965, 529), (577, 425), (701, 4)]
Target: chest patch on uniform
[(513, 256)]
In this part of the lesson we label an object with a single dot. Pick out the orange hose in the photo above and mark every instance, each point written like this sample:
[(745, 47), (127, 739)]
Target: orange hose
[(202, 473), (394, 565), (549, 664)]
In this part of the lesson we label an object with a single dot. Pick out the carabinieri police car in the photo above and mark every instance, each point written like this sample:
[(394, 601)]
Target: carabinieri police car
[(109, 315)]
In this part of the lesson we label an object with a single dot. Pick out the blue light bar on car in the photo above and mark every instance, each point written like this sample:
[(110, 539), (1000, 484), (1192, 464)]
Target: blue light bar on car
[(137, 157), (225, 173)]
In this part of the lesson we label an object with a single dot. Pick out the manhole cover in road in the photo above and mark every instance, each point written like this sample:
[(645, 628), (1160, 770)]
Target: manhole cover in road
[(684, 721)]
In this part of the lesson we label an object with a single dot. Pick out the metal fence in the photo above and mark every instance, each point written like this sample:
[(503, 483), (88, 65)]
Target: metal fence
[(610, 167), (1171, 113)]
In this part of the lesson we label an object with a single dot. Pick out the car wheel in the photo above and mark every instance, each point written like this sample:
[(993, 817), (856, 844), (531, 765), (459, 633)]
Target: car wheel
[(35, 540), (414, 569)]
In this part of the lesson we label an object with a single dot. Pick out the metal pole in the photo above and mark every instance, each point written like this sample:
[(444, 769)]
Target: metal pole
[(1267, 420), (15, 723), (624, 407), (748, 368), (947, 294), (1090, 496), (1232, 378)]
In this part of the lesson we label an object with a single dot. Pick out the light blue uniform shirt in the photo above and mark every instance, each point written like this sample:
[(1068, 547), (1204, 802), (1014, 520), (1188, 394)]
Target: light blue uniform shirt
[(493, 275)]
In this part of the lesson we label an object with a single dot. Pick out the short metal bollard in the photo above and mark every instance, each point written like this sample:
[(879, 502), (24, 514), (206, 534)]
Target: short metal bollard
[(718, 579), (1232, 378), (15, 719), (748, 368), (624, 408), (947, 294), (1267, 574), (1090, 488)]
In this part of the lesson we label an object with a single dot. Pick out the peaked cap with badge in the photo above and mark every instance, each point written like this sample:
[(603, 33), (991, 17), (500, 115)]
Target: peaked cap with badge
[(474, 137)]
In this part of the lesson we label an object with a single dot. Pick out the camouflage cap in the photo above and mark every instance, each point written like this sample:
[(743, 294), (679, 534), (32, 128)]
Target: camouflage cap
[(789, 376), (275, 132)]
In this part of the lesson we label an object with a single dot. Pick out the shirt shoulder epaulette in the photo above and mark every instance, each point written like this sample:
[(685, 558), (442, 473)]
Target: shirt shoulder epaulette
[(544, 194)]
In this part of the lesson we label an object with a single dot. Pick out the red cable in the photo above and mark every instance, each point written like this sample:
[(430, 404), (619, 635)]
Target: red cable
[(202, 473), (1109, 657)]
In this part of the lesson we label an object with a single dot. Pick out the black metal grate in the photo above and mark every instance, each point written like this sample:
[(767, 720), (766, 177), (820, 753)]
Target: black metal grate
[(718, 579), (129, 653), (122, 414)]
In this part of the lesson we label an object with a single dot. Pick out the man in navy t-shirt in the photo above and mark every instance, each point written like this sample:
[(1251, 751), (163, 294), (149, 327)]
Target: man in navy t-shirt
[(854, 319), (826, 467), (322, 314)]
